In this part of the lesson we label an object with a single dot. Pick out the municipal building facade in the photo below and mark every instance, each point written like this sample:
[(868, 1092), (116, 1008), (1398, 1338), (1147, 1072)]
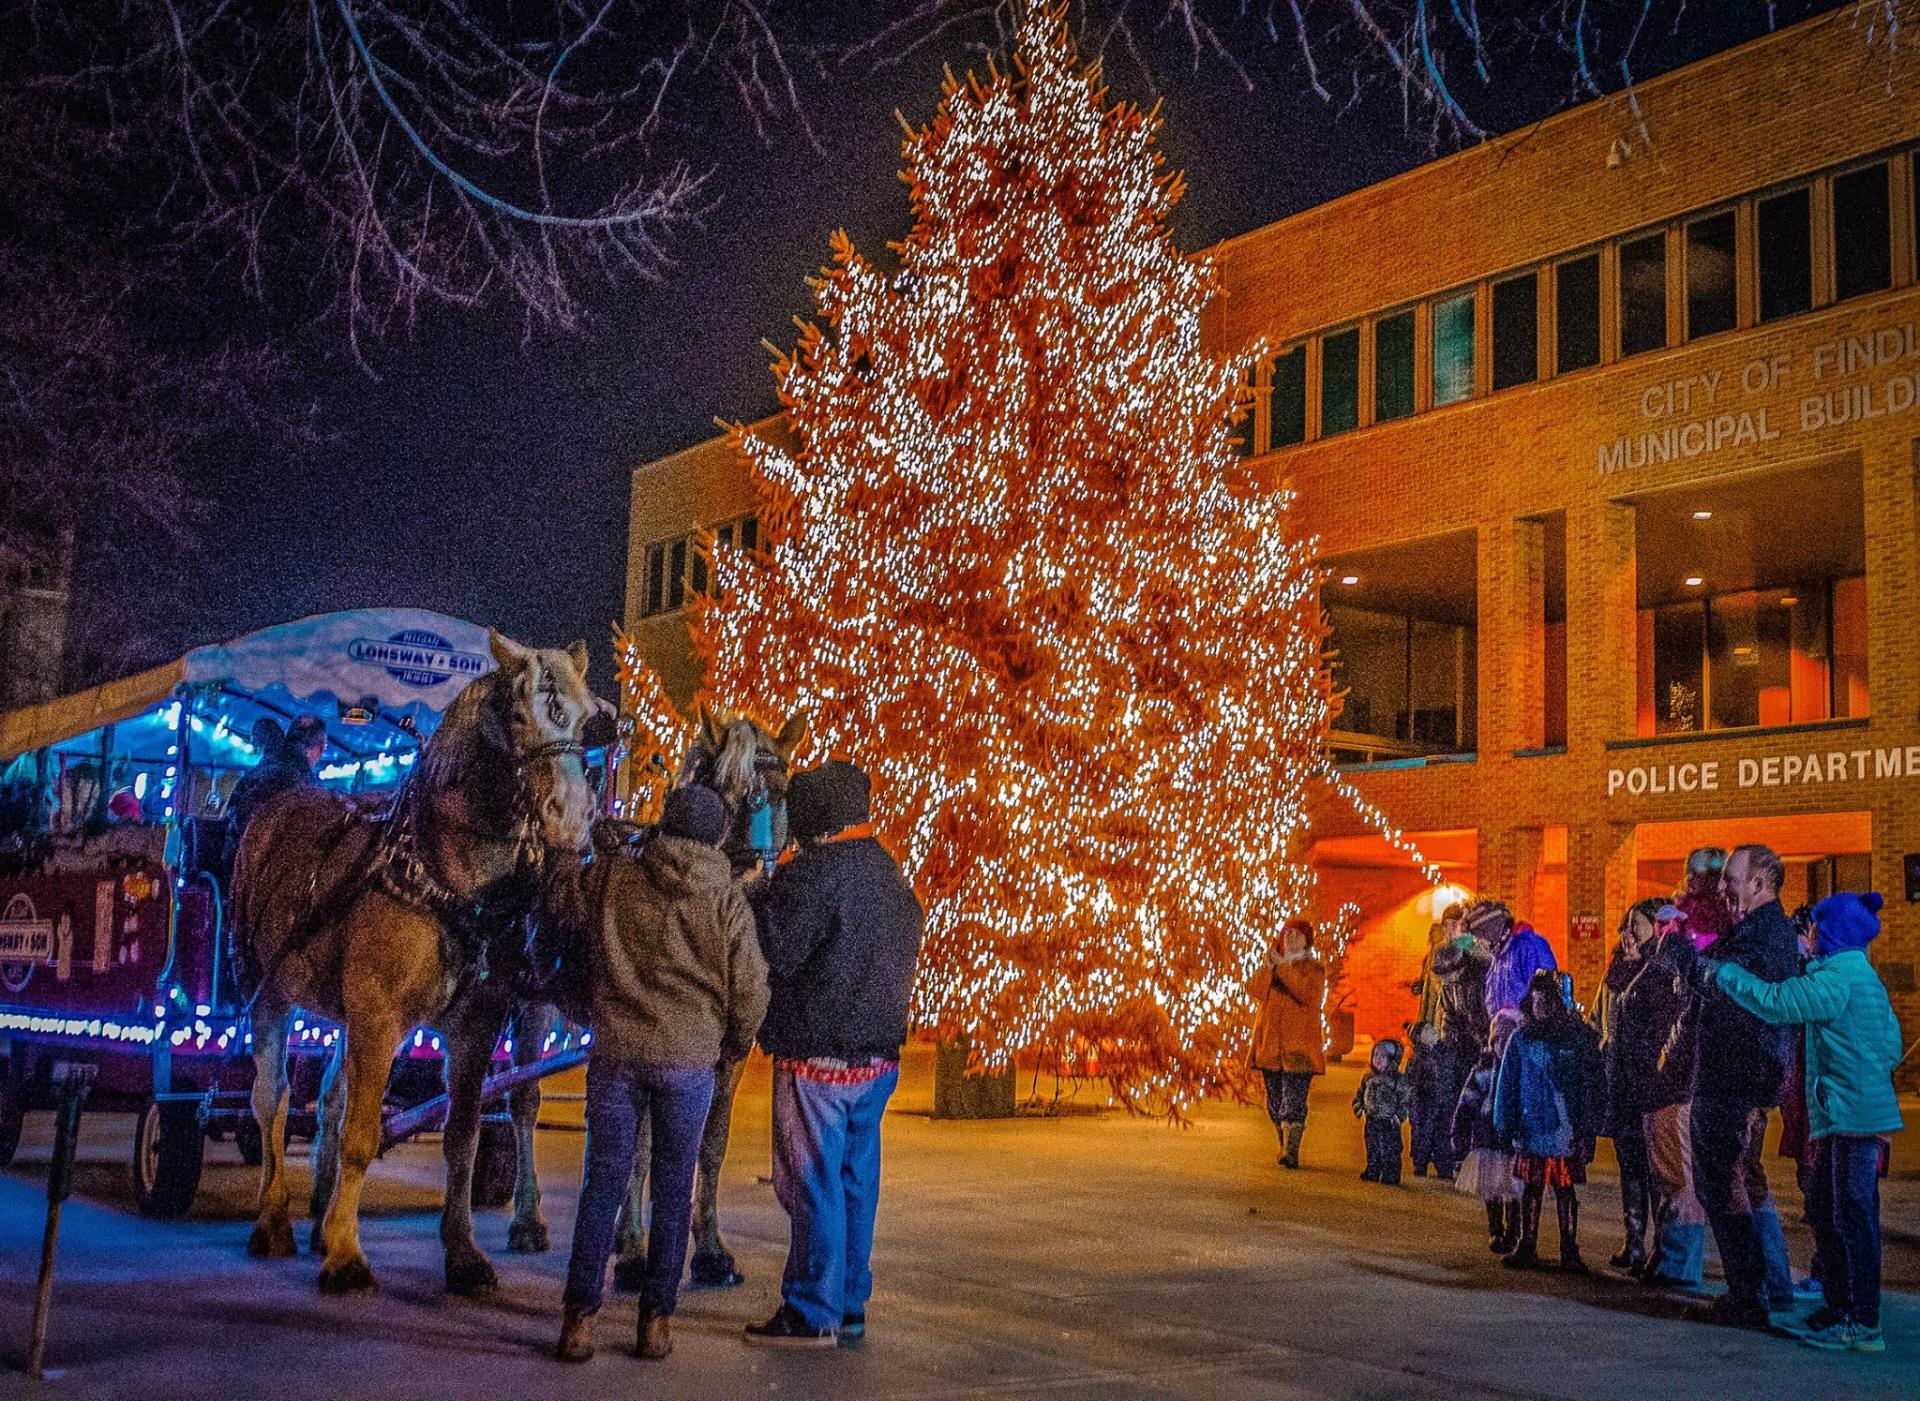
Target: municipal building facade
[(1605, 430)]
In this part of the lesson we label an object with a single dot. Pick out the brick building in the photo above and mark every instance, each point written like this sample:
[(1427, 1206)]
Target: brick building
[(1606, 432)]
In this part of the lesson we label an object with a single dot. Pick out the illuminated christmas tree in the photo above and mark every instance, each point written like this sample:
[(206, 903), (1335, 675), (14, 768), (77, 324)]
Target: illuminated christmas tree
[(654, 734), (1017, 568)]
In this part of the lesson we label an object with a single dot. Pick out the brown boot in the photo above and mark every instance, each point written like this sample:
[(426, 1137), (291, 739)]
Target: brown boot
[(656, 1335), (576, 1336)]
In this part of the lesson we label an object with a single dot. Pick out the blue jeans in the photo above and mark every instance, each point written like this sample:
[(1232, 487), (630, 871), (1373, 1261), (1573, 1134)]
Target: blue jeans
[(675, 1100), (826, 1173), (1843, 1200)]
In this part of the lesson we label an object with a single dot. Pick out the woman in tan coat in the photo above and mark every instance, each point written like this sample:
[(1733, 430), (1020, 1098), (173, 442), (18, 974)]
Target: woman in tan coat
[(1289, 1036)]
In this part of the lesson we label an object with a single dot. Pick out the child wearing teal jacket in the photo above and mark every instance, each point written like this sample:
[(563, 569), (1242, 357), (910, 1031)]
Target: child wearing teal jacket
[(1853, 1044)]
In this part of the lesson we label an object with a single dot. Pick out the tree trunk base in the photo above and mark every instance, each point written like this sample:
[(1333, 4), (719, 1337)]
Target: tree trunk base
[(962, 1094)]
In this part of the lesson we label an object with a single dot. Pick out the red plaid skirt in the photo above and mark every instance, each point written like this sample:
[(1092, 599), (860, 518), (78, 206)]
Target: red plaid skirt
[(1543, 1172)]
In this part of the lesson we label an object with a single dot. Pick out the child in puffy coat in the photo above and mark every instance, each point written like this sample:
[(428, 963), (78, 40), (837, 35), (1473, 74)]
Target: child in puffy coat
[(1549, 1099), (1486, 1163), (1385, 1101)]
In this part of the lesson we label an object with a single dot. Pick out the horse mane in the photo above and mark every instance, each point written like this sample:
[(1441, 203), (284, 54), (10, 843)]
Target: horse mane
[(730, 771), (474, 729)]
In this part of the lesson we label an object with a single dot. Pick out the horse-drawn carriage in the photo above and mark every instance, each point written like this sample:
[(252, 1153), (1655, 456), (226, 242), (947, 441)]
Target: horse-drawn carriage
[(116, 945)]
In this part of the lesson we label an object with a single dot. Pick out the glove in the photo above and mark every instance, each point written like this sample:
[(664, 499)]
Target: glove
[(1701, 976)]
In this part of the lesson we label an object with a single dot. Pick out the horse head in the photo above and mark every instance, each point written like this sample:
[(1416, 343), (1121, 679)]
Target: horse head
[(748, 765), (537, 710)]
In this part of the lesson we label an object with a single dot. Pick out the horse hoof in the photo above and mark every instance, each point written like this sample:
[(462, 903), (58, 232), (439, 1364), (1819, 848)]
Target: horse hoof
[(629, 1273), (353, 1277), (718, 1272), (527, 1237), (273, 1242), (471, 1277)]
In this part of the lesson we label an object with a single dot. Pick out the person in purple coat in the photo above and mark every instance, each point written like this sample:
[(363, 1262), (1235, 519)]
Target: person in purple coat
[(1518, 952)]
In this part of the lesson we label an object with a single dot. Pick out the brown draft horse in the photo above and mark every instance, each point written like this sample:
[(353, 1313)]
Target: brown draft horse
[(748, 766), (383, 926)]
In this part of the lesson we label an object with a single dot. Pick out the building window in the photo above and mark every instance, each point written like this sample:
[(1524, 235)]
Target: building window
[(1393, 367), (1453, 349), (749, 533), (1862, 233), (1712, 302), (676, 574), (1339, 382), (1287, 400), (1643, 294), (1516, 331), (656, 599), (1786, 254), (1576, 319)]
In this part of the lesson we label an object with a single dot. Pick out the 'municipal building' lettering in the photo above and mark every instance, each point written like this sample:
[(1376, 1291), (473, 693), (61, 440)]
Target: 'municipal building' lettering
[(1611, 462)]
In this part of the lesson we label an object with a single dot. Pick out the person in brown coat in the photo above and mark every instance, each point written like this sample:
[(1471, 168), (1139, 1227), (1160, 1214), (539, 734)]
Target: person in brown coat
[(1289, 1037), (679, 986)]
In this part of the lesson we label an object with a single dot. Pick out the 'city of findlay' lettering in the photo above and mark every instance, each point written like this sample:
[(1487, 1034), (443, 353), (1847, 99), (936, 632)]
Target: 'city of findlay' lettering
[(1819, 411), (1775, 771)]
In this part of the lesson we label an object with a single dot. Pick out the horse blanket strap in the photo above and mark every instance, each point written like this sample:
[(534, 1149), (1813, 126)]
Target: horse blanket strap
[(829, 1070)]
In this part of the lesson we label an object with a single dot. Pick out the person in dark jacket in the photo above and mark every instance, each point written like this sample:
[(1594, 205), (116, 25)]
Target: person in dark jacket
[(1385, 1101), (286, 766), (1626, 1124), (1654, 1034), (678, 988), (841, 930), (1486, 1161), (1548, 1101), (1435, 1095), (1738, 1071), (1460, 968)]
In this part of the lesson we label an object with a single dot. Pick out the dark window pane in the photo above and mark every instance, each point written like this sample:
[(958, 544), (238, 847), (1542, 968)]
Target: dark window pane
[(1678, 651), (1712, 303), (698, 585), (1245, 430), (1516, 332), (677, 574), (1577, 314), (749, 533), (1287, 406), (724, 535), (656, 578), (1786, 255), (1339, 382), (1643, 294), (1862, 233), (1453, 349), (1393, 367)]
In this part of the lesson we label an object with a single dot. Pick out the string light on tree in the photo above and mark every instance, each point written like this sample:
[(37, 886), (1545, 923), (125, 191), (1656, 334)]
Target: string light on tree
[(1015, 566), (659, 733)]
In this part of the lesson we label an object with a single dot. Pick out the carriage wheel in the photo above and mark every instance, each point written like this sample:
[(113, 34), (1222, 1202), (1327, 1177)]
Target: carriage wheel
[(13, 1110), (168, 1145), (496, 1164)]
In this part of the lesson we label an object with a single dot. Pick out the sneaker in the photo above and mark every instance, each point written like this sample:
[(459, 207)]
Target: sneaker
[(853, 1327), (1729, 1312), (1821, 1318), (1868, 1339), (1808, 1288), (788, 1329), (1844, 1336)]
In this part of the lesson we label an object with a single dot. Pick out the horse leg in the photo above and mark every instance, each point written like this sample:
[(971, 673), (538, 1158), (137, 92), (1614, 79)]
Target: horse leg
[(369, 1060), (630, 1231), (713, 1264), (469, 1053), (527, 1235), (329, 1111), (273, 1228)]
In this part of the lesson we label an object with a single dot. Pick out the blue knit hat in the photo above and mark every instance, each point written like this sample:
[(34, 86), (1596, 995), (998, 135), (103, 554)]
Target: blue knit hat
[(1847, 921)]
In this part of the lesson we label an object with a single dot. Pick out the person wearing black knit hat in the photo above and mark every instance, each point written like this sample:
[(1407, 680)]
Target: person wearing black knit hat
[(841, 931)]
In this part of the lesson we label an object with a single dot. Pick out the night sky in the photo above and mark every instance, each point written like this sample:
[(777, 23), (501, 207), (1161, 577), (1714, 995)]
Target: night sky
[(486, 474)]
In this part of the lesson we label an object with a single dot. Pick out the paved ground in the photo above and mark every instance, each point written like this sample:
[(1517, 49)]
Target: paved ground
[(1083, 1256)]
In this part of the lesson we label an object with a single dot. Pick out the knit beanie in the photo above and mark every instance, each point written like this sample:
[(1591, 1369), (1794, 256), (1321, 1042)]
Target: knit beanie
[(822, 801), (1487, 919), (1847, 921), (695, 813)]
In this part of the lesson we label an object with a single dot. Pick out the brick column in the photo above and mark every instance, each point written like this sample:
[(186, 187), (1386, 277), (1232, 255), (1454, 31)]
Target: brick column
[(1600, 883), (1602, 603), (1512, 582), (1893, 688)]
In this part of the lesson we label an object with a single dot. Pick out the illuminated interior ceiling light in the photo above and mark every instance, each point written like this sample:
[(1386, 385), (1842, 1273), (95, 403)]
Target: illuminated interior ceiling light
[(1703, 515), (1012, 563), (1788, 600), (1693, 581), (1349, 578)]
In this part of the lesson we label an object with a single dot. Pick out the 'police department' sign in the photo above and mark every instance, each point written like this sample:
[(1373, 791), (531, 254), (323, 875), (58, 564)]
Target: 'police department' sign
[(1774, 771), (417, 657)]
